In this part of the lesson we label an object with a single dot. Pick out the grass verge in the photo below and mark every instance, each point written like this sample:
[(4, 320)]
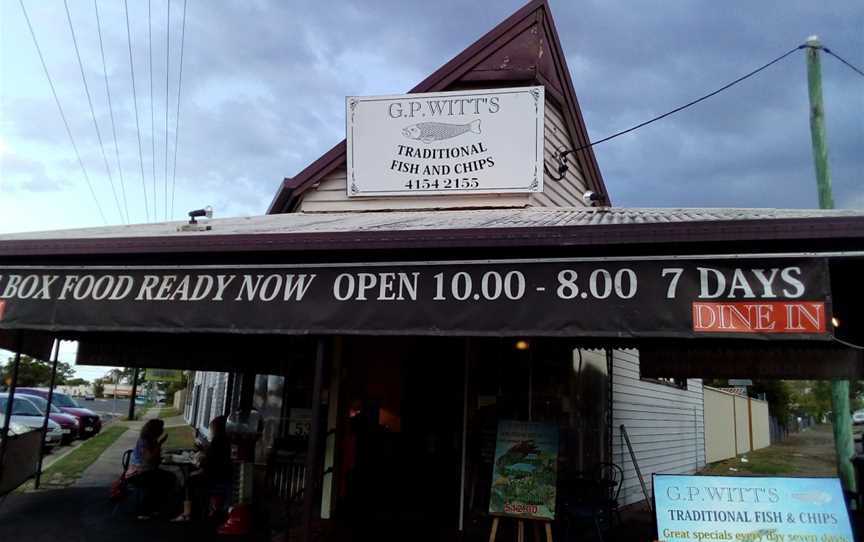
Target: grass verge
[(168, 412), (179, 437), (810, 453), (68, 469)]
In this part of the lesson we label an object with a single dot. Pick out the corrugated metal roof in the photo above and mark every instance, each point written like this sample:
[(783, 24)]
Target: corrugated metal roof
[(482, 219)]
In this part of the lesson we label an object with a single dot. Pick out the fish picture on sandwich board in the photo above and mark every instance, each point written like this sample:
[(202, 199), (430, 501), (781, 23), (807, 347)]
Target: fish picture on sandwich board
[(525, 470)]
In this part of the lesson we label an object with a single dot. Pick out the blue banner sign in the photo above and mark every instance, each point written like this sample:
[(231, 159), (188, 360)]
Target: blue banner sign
[(750, 509)]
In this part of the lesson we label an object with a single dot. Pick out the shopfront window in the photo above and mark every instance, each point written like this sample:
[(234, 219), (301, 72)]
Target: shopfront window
[(543, 380)]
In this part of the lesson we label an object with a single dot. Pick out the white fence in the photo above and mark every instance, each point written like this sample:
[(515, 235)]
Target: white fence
[(734, 425)]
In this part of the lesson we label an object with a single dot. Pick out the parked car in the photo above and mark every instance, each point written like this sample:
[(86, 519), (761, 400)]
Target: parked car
[(858, 417), (68, 423), (15, 428), (89, 397), (26, 414), (89, 422)]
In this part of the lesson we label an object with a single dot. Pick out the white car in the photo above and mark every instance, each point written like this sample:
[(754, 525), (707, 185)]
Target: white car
[(858, 417), (26, 415)]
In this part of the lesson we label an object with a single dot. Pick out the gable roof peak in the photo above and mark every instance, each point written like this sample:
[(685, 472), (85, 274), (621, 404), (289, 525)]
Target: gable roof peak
[(524, 49)]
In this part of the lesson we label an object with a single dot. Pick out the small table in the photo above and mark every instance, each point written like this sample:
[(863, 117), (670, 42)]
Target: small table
[(184, 460)]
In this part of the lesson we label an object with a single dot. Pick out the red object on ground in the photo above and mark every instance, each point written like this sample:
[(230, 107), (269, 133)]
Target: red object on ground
[(238, 521)]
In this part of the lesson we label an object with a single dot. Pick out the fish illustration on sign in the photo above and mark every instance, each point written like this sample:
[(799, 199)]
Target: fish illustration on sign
[(428, 132), (812, 497)]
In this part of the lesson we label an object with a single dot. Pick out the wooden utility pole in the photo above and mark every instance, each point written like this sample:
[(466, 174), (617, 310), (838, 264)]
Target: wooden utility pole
[(842, 420)]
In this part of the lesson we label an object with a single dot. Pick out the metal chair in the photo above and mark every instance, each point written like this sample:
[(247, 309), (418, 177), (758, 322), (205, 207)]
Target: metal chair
[(609, 478), (122, 487), (581, 504)]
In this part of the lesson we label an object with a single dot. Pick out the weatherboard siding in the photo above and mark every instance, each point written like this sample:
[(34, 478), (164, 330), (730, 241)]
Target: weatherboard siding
[(568, 191), (331, 193), (665, 425), (207, 380)]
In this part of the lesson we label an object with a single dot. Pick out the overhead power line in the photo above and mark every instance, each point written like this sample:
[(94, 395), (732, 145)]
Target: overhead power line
[(62, 114), (135, 101), (111, 111), (177, 115), (152, 113), (93, 112), (696, 101), (841, 59), (562, 155), (167, 74)]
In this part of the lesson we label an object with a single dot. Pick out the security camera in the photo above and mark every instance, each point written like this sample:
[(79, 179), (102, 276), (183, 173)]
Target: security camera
[(205, 212), (193, 225), (590, 197)]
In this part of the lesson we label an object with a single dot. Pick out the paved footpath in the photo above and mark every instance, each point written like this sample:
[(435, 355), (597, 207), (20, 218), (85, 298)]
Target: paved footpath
[(107, 468), (83, 512)]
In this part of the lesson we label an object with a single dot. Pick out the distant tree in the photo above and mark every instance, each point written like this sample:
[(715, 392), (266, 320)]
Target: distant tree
[(98, 388), (811, 398), (36, 373), (174, 387), (77, 382), (127, 373), (778, 393)]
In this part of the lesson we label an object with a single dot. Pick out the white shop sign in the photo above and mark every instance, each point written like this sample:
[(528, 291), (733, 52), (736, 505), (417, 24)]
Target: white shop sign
[(465, 142)]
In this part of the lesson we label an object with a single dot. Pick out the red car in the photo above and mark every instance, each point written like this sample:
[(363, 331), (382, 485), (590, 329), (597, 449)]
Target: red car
[(68, 423), (89, 422)]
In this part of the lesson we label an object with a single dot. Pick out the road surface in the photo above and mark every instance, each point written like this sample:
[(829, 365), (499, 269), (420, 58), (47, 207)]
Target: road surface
[(107, 409)]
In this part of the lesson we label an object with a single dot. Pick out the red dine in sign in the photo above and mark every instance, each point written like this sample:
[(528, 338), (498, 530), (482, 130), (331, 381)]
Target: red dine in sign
[(757, 312), (759, 317)]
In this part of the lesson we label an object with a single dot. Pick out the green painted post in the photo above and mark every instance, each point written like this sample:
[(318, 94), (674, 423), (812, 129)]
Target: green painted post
[(817, 123), (842, 420)]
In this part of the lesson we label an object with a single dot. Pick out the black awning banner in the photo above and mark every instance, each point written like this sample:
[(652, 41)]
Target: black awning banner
[(758, 298)]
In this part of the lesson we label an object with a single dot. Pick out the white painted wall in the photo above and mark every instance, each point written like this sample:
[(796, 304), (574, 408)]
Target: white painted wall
[(206, 380), (665, 424)]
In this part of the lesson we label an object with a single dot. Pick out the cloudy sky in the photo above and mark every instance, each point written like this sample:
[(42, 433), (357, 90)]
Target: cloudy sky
[(263, 87)]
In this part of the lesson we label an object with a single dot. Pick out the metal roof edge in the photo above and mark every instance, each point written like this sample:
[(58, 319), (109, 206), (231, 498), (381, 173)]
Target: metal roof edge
[(610, 235)]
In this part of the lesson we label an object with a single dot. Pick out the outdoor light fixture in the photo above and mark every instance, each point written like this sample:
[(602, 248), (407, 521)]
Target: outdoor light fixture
[(590, 197), (835, 321), (193, 225), (522, 345)]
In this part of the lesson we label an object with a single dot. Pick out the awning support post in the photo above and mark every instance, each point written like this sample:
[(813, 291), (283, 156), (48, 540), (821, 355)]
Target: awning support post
[(54, 359), (312, 451), (9, 400), (464, 459), (229, 395), (134, 394)]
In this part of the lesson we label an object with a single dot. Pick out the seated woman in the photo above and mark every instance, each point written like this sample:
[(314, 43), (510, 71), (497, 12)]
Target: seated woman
[(157, 485), (212, 481)]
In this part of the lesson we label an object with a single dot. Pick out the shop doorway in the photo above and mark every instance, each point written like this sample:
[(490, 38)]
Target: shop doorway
[(401, 435)]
